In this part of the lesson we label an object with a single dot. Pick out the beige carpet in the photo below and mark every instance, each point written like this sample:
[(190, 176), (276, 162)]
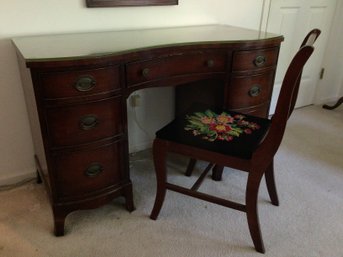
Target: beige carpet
[(308, 222)]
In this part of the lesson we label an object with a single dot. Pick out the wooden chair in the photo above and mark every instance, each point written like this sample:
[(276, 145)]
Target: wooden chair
[(231, 139)]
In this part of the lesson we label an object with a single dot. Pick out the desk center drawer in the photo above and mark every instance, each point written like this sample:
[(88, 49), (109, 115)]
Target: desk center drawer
[(77, 124), (178, 65)]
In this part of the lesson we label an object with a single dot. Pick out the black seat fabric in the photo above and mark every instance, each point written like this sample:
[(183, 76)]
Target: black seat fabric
[(218, 130)]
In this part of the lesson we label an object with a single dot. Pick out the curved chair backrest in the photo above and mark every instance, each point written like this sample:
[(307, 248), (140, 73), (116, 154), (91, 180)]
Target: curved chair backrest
[(310, 38), (287, 97)]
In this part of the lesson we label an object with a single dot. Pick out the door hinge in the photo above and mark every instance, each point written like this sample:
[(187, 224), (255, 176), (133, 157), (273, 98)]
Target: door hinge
[(321, 76)]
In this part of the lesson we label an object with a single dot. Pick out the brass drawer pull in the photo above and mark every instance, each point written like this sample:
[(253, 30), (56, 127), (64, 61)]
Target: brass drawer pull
[(89, 122), (93, 170), (210, 63), (255, 90), (260, 60), (146, 72), (85, 83)]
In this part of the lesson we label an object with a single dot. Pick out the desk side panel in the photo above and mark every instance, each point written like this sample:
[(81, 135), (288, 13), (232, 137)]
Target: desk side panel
[(31, 106)]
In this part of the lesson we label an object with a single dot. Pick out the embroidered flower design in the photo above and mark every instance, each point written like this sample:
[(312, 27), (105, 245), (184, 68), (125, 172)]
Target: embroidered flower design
[(224, 127)]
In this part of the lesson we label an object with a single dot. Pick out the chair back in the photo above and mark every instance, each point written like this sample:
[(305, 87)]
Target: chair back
[(310, 38), (287, 98)]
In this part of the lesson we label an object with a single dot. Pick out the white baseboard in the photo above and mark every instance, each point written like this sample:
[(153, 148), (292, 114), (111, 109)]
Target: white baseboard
[(10, 179), (140, 147)]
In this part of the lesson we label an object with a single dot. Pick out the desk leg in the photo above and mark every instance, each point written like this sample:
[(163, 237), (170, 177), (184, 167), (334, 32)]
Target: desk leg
[(129, 198), (59, 220)]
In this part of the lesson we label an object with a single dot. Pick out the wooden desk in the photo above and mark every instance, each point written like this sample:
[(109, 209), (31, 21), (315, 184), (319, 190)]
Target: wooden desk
[(76, 86)]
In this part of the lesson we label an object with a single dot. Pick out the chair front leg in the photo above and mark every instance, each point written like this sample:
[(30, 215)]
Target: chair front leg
[(251, 197), (271, 186), (159, 155)]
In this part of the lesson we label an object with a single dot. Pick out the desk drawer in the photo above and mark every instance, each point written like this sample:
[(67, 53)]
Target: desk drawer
[(87, 171), (255, 59), (250, 90), (178, 65), (86, 82), (259, 111), (77, 124)]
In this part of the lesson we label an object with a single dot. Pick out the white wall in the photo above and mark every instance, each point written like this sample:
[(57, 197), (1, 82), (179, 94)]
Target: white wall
[(18, 17)]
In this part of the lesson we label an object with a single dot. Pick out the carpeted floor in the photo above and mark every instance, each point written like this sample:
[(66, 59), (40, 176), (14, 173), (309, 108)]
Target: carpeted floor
[(308, 222)]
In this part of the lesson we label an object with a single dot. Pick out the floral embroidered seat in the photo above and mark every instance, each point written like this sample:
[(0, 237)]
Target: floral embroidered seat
[(217, 130)]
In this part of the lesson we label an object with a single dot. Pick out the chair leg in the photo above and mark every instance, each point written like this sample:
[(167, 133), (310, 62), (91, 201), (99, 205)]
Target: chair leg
[(190, 167), (217, 172), (253, 185), (271, 186), (159, 154)]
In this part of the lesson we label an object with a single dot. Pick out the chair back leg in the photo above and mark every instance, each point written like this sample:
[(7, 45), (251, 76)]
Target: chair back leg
[(217, 172), (190, 167)]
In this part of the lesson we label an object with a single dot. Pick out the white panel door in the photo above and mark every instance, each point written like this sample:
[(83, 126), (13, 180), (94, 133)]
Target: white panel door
[(294, 19)]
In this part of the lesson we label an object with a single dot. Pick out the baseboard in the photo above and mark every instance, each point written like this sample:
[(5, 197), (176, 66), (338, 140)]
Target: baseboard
[(10, 179), (140, 147)]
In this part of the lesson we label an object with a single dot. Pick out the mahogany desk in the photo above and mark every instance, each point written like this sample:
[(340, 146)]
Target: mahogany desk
[(76, 86)]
